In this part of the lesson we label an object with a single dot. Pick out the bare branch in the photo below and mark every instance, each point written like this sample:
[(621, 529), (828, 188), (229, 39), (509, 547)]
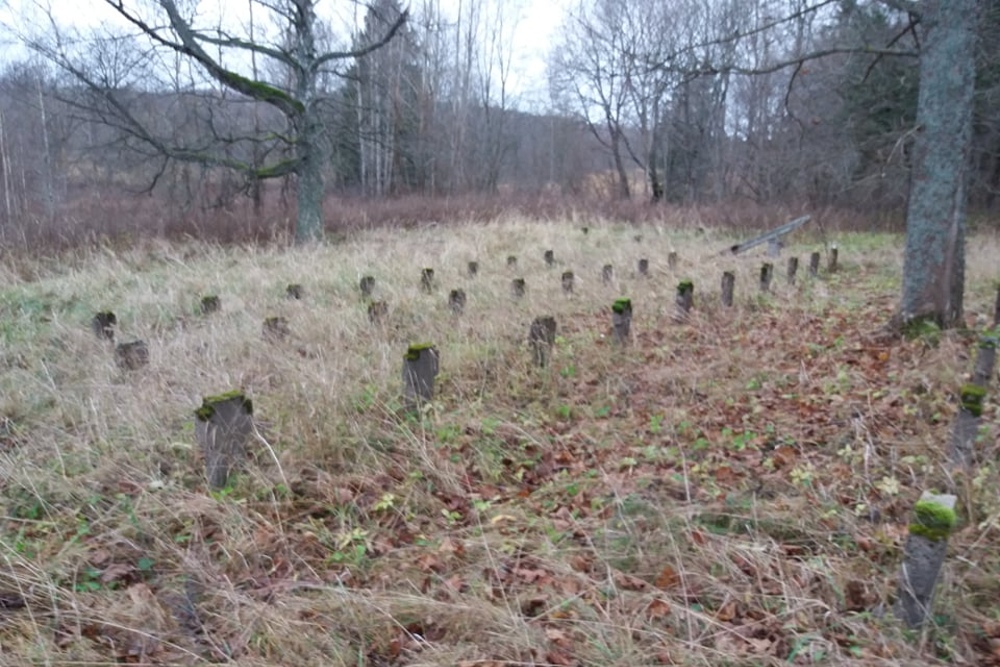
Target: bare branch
[(365, 50)]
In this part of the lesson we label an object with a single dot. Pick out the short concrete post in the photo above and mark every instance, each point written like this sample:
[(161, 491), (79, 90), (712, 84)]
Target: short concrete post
[(774, 247), (966, 427), (378, 311), (420, 367), (275, 329), (295, 292), (210, 304), (832, 266), (223, 424), (132, 356), (728, 286), (585, 230), (427, 280), (766, 273), (793, 268), (456, 301), (685, 300), (511, 261), (567, 281), (367, 286), (996, 310), (550, 258), (932, 524), (103, 325), (621, 320), (672, 260), (473, 269), (607, 274), (517, 288), (986, 359), (814, 264), (643, 267), (541, 338)]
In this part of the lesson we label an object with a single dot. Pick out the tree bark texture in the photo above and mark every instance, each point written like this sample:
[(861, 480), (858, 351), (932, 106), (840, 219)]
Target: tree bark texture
[(934, 260)]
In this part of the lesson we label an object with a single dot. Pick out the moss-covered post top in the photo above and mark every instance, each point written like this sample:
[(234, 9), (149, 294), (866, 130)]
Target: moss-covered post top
[(208, 403), (934, 516), (622, 306), (685, 286), (972, 399), (989, 340), (414, 351)]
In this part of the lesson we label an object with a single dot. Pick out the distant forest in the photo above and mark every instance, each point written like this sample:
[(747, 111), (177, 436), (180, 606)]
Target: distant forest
[(683, 103)]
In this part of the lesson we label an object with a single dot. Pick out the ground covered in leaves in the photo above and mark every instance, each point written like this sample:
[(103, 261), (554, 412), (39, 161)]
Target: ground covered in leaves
[(733, 489)]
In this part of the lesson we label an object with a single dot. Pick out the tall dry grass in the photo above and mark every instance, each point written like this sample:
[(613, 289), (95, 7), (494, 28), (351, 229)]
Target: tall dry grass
[(457, 538)]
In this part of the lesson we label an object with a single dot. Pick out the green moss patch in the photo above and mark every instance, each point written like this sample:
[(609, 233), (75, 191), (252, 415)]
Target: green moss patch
[(622, 306), (973, 397), (414, 351), (932, 520), (208, 403)]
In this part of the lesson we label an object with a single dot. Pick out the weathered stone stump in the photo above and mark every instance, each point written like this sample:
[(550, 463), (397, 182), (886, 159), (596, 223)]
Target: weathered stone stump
[(966, 428), (210, 304), (996, 310), (275, 329), (511, 261), (672, 260), (986, 359), (473, 269), (517, 287), (223, 425), (793, 269), (427, 280), (456, 301), (367, 286), (685, 300), (103, 325), (420, 367), (932, 524), (295, 292), (541, 338), (621, 320), (766, 274), (567, 281), (132, 356), (550, 258), (814, 264), (774, 248), (832, 265), (607, 274), (643, 267), (378, 312), (728, 287)]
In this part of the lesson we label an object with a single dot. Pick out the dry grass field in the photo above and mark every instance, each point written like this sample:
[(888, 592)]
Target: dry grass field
[(733, 490)]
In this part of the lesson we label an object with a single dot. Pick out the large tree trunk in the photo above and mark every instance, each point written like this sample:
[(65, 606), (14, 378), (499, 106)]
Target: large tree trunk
[(934, 262), (309, 224)]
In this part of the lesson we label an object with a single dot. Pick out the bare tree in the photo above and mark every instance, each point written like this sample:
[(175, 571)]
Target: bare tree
[(216, 52)]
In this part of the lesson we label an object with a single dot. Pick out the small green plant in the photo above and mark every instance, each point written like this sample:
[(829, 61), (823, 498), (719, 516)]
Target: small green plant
[(386, 502), (656, 424)]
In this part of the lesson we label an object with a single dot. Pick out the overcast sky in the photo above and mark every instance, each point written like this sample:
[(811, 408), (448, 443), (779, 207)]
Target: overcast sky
[(535, 25)]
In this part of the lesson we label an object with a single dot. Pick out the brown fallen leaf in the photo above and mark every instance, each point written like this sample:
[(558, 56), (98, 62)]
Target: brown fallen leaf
[(668, 578)]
